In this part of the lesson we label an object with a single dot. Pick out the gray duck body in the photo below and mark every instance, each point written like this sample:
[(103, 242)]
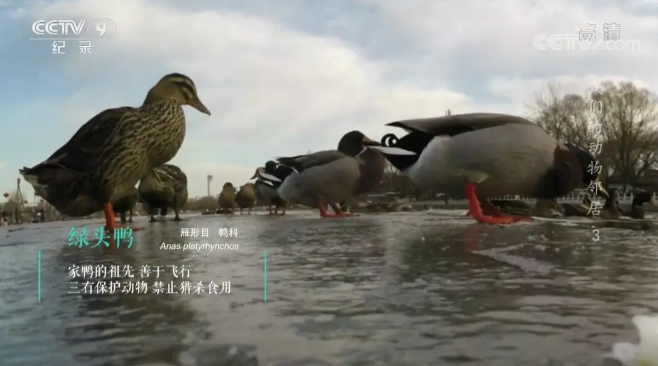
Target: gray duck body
[(503, 154)]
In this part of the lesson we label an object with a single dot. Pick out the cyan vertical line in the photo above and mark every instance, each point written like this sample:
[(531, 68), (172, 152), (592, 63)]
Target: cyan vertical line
[(39, 286), (265, 276)]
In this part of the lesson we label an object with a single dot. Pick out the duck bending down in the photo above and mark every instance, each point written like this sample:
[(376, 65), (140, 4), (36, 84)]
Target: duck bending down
[(637, 211), (162, 188), (126, 204), (488, 155), (110, 153), (268, 187), (331, 176)]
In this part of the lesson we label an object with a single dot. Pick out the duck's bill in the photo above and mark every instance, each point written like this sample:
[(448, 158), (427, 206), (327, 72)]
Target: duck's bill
[(196, 103), (269, 177), (368, 142), (258, 172), (392, 150)]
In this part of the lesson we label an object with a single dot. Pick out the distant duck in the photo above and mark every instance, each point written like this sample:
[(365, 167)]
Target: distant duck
[(582, 209), (227, 198), (126, 204), (637, 211), (332, 176), (163, 188), (110, 153), (488, 155), (246, 197), (268, 187)]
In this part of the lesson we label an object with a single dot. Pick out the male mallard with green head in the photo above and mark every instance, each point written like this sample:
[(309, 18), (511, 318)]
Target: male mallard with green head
[(109, 154), (126, 204), (164, 187), (333, 176), (268, 187), (488, 155)]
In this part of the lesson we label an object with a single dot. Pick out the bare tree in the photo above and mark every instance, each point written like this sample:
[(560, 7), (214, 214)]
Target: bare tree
[(628, 118), (626, 115)]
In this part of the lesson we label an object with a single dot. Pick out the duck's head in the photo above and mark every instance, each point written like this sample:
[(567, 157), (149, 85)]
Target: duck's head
[(227, 186), (643, 197), (177, 87), (354, 142), (588, 162)]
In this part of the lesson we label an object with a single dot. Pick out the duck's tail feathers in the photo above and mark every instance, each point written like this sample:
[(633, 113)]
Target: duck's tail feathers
[(42, 176)]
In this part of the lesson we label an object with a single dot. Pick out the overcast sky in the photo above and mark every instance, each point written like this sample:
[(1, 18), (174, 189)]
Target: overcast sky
[(287, 76)]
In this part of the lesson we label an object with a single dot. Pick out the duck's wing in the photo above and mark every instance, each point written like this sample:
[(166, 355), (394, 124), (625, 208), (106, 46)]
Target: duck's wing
[(458, 123), (79, 150), (304, 162)]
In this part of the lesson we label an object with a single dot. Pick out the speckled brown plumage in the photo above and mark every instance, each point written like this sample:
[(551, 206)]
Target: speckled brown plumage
[(227, 198), (109, 154), (246, 197), (164, 187), (126, 204)]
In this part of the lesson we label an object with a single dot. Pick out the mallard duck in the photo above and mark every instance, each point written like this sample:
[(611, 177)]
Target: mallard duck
[(246, 197), (583, 209), (331, 176), (637, 212), (227, 198), (126, 204), (488, 155), (109, 154), (268, 187), (268, 180), (164, 187), (609, 210)]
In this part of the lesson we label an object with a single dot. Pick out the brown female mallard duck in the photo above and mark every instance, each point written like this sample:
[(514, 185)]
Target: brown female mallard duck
[(126, 204), (637, 212), (333, 176), (227, 198), (582, 209), (164, 187), (246, 197), (488, 155), (268, 188), (109, 154)]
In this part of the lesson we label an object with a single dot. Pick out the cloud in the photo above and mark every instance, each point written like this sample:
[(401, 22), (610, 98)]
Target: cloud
[(298, 79)]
